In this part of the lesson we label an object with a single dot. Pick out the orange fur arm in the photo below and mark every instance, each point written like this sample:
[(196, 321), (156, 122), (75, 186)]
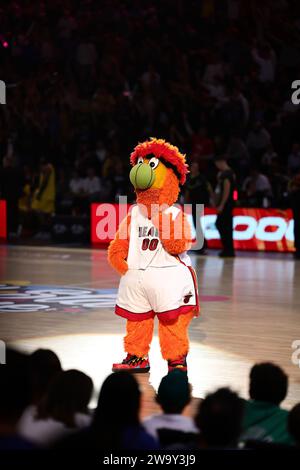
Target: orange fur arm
[(175, 234), (118, 248)]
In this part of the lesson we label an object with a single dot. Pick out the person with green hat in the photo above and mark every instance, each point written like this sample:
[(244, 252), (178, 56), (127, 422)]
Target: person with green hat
[(171, 426)]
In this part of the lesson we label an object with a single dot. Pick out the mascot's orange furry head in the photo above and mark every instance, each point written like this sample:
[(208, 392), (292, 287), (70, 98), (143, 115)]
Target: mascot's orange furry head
[(168, 170), (158, 170)]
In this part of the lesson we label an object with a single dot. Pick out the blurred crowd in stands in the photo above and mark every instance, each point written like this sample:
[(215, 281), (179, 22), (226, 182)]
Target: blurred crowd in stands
[(52, 411), (86, 80)]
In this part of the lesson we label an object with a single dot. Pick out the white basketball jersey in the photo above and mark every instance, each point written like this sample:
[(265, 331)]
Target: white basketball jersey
[(145, 247)]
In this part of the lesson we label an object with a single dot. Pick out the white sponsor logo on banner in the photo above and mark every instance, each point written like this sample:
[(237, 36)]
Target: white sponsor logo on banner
[(252, 228)]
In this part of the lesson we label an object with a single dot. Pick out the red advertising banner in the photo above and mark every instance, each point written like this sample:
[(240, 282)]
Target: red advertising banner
[(3, 227), (253, 229)]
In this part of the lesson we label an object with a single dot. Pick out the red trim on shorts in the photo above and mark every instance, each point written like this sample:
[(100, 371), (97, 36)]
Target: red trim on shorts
[(197, 309), (173, 314), (122, 312), (194, 277)]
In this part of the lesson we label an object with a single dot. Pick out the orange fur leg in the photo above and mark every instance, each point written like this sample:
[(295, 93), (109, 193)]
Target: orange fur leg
[(139, 335), (173, 336)]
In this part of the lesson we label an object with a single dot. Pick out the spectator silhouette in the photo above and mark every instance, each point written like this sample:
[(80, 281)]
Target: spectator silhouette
[(264, 420), (62, 410), (219, 419), (43, 366), (14, 398), (294, 424), (171, 427), (116, 424)]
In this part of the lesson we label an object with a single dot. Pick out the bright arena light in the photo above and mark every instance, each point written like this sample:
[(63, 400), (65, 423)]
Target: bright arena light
[(209, 367), (94, 354)]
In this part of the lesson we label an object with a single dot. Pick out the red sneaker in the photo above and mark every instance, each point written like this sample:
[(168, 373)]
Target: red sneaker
[(178, 364), (133, 363)]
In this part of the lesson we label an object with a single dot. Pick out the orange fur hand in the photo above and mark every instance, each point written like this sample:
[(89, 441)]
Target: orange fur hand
[(118, 248), (175, 234)]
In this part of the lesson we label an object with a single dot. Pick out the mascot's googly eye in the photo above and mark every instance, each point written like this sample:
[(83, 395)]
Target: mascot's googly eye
[(153, 162), (140, 160)]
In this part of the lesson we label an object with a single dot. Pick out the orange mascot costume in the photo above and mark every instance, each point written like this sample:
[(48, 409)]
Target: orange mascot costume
[(149, 251)]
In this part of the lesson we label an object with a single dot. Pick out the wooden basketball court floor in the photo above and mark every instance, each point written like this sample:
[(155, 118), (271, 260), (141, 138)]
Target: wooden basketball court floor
[(63, 299)]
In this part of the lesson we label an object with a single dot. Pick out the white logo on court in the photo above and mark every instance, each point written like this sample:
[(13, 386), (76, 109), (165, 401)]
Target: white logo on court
[(296, 353)]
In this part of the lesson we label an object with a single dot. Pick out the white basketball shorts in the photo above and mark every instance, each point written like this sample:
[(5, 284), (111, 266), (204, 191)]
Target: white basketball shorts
[(166, 292)]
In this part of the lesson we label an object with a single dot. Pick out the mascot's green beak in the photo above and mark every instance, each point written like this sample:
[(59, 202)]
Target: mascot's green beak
[(142, 176)]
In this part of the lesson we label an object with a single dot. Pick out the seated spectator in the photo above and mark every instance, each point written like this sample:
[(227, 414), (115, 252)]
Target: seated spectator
[(116, 419), (279, 182), (237, 149), (28, 184), (76, 184), (269, 157), (116, 424), (257, 188), (63, 409), (150, 78), (171, 427), (92, 184), (216, 89), (44, 197), (14, 398), (219, 419), (258, 140), (294, 424), (233, 111), (66, 24), (44, 366), (80, 201), (289, 107), (63, 197), (100, 154), (264, 420), (294, 159), (86, 52), (119, 181), (202, 146), (86, 57), (266, 60), (214, 69), (238, 154)]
